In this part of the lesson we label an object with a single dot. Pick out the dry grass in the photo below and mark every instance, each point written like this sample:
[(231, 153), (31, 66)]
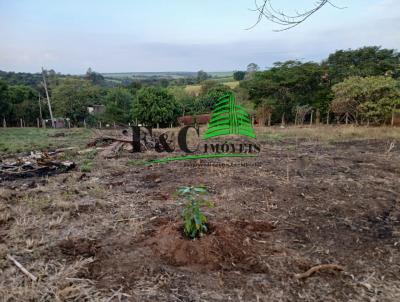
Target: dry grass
[(36, 219), (193, 89), (196, 89), (329, 133), (232, 84), (313, 133), (57, 282)]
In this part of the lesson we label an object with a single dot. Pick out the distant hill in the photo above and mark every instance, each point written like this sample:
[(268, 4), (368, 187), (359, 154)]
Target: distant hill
[(164, 75)]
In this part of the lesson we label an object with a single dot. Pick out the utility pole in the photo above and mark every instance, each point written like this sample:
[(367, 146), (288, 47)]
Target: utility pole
[(48, 99), (40, 111)]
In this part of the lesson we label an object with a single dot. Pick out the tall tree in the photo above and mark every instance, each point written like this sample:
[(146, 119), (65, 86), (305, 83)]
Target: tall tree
[(118, 105), (289, 84), (95, 77), (72, 97), (373, 98), (239, 75), (252, 67), (206, 101), (24, 103), (4, 102), (202, 76), (365, 61), (155, 106)]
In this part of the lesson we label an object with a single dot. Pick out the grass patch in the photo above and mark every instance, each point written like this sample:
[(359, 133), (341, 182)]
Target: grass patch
[(136, 162), (193, 89), (15, 140), (86, 166), (271, 136), (232, 84), (329, 134), (196, 89)]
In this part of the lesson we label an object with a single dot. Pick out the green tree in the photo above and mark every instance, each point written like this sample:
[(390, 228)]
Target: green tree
[(373, 98), (252, 67), (24, 103), (155, 106), (239, 75), (365, 61), (205, 102), (202, 76), (289, 84), (118, 104), (4, 102), (95, 77), (184, 100), (72, 96)]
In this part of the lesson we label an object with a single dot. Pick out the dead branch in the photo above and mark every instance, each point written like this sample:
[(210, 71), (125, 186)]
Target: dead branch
[(391, 147), (318, 268), (22, 268), (267, 10), (112, 150), (102, 139)]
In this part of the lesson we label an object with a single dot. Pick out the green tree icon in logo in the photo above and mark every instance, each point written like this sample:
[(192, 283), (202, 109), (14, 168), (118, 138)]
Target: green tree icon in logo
[(228, 118)]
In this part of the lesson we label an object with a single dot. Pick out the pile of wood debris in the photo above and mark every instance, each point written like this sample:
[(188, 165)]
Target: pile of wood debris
[(110, 146), (34, 164)]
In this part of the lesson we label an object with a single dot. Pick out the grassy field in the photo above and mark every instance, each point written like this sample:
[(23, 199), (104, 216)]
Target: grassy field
[(330, 133), (195, 89), (14, 140), (169, 74)]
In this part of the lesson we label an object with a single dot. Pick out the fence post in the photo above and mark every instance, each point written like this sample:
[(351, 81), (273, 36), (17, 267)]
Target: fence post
[(392, 123), (20, 122), (37, 122)]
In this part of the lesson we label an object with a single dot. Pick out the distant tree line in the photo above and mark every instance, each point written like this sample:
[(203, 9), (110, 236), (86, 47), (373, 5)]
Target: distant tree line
[(359, 85), (350, 86)]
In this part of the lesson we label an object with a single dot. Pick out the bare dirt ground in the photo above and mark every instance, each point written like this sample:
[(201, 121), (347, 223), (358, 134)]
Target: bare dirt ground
[(113, 234)]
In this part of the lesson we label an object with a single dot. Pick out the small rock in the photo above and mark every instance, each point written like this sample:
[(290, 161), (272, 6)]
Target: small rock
[(130, 189), (85, 204)]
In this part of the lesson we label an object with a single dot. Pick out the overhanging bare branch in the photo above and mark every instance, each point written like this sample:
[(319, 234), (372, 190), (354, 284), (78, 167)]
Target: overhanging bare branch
[(268, 11)]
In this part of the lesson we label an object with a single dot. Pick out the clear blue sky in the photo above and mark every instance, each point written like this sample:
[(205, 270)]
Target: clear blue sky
[(180, 35)]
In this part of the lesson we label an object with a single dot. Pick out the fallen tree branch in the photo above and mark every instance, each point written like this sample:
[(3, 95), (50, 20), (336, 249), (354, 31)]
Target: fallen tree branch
[(103, 139), (318, 268), (22, 268), (111, 150)]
